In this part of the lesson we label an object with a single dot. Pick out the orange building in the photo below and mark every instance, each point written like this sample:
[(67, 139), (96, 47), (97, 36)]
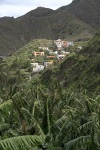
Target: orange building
[(38, 53), (51, 57)]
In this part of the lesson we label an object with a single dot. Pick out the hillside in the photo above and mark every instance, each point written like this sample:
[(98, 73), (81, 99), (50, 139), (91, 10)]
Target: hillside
[(85, 10), (55, 109), (77, 21), (80, 70)]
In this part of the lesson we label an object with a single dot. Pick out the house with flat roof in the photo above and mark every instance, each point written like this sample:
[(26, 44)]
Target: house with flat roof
[(44, 48), (38, 53), (37, 67), (51, 57), (58, 43), (64, 52)]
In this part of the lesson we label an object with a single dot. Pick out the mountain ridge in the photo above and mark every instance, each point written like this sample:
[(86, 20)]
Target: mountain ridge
[(71, 22)]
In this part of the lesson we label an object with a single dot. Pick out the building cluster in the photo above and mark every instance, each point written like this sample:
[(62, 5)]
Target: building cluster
[(57, 55), (63, 44)]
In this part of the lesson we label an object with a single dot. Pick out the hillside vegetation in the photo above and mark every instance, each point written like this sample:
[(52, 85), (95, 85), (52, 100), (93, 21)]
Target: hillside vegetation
[(57, 109), (80, 70)]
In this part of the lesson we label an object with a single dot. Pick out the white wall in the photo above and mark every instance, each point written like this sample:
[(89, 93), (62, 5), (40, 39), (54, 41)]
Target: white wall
[(38, 68)]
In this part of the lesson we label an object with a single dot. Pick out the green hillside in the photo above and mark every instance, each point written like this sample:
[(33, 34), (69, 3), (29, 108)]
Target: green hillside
[(58, 109), (80, 70), (55, 106)]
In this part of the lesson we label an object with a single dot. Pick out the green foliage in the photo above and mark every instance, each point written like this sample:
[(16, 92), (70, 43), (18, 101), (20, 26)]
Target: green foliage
[(21, 142), (79, 70), (53, 46), (52, 118), (55, 110)]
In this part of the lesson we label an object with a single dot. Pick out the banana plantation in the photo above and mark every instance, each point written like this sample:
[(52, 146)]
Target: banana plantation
[(34, 117)]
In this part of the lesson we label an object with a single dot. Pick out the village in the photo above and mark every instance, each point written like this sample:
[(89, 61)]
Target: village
[(50, 56)]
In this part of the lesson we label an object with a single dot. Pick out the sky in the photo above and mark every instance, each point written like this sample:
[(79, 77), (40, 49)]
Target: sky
[(15, 8)]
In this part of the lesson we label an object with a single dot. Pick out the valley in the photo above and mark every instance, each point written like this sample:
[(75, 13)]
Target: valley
[(50, 78)]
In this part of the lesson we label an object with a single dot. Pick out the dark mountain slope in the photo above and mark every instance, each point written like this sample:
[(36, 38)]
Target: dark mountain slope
[(85, 10), (79, 20)]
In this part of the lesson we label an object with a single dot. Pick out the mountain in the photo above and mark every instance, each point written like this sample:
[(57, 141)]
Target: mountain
[(85, 10), (77, 21)]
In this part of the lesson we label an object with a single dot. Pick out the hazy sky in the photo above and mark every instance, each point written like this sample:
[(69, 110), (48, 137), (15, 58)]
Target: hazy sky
[(17, 8)]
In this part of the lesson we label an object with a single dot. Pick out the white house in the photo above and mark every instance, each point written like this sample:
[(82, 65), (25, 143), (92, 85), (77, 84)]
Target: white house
[(37, 67), (66, 53), (53, 53), (70, 43), (44, 48), (58, 43), (34, 64)]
